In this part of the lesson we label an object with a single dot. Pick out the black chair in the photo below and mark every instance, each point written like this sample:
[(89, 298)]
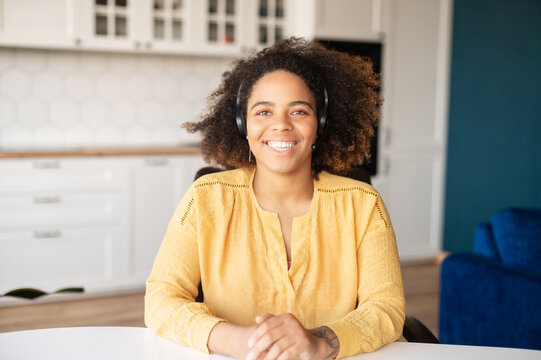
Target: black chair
[(414, 330)]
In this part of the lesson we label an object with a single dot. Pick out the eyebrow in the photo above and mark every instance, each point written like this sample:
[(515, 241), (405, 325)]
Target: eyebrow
[(293, 103)]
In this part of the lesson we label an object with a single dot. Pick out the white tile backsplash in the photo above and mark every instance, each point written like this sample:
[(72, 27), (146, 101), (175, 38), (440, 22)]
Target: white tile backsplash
[(15, 84), (63, 99)]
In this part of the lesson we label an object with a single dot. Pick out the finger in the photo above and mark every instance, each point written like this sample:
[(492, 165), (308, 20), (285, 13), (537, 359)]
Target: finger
[(262, 355), (262, 318), (268, 340), (267, 325), (278, 348), (287, 354)]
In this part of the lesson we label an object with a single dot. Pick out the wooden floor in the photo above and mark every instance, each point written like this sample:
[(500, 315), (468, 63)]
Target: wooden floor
[(421, 282)]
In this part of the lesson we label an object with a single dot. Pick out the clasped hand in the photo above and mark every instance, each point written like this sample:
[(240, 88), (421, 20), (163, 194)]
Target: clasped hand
[(283, 337)]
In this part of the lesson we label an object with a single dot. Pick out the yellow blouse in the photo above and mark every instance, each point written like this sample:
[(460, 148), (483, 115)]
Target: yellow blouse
[(345, 271)]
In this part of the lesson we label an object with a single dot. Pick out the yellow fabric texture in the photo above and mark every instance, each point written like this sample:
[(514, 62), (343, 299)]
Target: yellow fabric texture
[(343, 253)]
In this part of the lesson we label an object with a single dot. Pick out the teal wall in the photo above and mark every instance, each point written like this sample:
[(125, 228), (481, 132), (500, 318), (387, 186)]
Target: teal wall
[(494, 145)]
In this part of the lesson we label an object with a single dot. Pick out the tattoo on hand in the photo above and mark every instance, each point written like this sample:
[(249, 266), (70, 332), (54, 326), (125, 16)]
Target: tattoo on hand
[(330, 338)]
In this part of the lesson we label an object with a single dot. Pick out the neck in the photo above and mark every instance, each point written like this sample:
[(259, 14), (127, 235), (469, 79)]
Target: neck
[(290, 188)]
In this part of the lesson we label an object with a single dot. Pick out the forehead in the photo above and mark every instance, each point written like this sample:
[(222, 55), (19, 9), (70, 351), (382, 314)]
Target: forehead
[(281, 84)]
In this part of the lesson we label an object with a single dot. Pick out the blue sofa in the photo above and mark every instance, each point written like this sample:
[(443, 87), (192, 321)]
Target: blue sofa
[(492, 297)]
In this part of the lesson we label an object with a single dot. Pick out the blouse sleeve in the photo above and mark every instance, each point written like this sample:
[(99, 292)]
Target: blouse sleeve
[(379, 316), (170, 309)]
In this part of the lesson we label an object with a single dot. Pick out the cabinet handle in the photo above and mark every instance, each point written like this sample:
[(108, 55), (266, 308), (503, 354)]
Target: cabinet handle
[(46, 164), (47, 234), (78, 41), (156, 162), (47, 199), (137, 44), (148, 45)]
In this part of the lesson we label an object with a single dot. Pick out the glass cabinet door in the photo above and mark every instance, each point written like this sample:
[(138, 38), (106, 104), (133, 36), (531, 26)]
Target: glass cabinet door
[(168, 20), (270, 27), (222, 21), (111, 18)]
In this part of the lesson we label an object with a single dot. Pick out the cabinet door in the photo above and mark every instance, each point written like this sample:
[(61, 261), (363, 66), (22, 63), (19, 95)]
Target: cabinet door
[(270, 21), (108, 24), (159, 183), (50, 258), (167, 25), (36, 23), (217, 26), (153, 206), (356, 20)]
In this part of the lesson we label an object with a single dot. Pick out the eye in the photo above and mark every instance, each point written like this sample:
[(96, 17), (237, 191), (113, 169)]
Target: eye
[(263, 112), (299, 112)]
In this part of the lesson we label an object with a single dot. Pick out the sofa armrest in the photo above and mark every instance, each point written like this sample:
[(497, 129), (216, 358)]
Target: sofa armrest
[(483, 302)]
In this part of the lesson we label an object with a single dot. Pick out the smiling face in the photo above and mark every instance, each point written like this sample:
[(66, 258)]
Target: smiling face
[(281, 123)]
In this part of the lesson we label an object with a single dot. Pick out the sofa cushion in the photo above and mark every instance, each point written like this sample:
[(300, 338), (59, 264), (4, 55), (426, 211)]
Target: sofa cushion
[(484, 242), (517, 233)]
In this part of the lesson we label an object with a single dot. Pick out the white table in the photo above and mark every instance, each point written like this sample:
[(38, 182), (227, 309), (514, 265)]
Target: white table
[(131, 343)]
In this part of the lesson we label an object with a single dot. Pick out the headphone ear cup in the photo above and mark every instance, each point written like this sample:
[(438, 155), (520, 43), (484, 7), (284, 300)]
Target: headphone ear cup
[(321, 124), (322, 121), (241, 124)]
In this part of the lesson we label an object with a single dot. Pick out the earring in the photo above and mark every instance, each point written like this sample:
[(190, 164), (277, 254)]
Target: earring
[(313, 147), (249, 155)]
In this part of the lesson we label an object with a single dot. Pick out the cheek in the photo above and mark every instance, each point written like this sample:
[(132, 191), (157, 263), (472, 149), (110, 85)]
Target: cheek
[(309, 130), (253, 129)]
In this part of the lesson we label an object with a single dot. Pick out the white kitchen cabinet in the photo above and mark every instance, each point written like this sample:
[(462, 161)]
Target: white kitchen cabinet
[(198, 27), (37, 23), (343, 20), (64, 222), (158, 186), (153, 206), (352, 20), (54, 257), (90, 222), (141, 26), (107, 24)]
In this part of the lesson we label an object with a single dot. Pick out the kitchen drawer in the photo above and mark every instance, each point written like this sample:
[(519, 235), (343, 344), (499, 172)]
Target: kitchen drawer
[(43, 174), (52, 258), (59, 208)]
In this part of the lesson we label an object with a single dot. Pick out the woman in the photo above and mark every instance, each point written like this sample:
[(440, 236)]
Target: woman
[(294, 262)]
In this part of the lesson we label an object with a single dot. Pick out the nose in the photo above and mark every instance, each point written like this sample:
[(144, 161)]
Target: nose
[(282, 122)]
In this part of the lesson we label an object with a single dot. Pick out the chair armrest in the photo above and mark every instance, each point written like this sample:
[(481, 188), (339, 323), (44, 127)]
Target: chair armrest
[(416, 331)]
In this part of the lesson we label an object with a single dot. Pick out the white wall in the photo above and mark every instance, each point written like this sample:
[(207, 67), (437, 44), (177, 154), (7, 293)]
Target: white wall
[(67, 98)]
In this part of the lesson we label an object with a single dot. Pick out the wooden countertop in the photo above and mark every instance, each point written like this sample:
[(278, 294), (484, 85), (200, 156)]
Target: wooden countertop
[(100, 151)]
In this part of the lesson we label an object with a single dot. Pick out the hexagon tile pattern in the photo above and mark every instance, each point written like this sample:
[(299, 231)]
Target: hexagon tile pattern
[(64, 99)]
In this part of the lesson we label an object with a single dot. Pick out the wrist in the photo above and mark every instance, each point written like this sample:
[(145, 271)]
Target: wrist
[(327, 343), (220, 338), (230, 340), (322, 348)]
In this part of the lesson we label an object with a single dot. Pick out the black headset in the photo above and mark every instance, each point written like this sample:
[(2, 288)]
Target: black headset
[(321, 122)]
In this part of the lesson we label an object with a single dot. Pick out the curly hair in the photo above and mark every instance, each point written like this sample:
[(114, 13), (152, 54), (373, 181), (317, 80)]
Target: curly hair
[(352, 112)]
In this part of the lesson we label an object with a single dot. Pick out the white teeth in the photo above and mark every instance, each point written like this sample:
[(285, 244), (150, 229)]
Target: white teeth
[(280, 145)]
